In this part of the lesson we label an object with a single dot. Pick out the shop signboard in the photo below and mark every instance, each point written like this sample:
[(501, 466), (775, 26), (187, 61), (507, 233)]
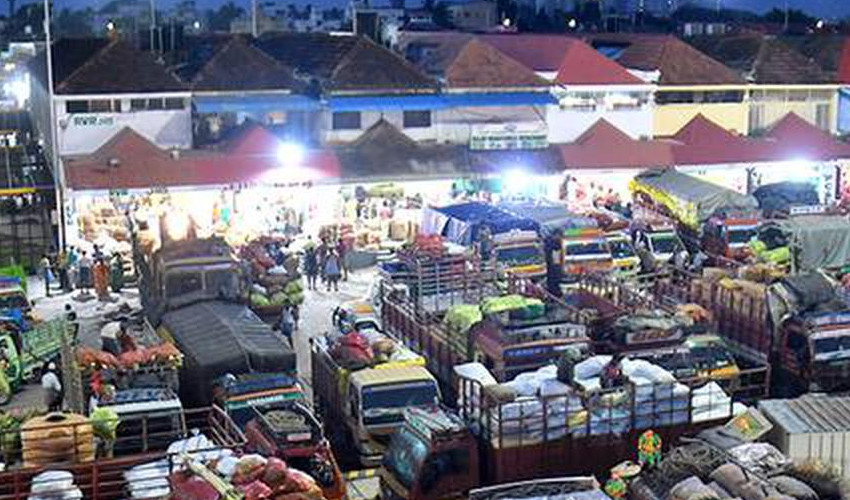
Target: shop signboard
[(93, 121), (508, 136)]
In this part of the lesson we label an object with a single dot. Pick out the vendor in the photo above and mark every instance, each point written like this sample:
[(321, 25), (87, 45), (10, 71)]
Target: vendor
[(52, 388), (109, 337)]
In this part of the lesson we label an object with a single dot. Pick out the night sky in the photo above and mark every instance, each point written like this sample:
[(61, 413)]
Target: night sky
[(823, 8)]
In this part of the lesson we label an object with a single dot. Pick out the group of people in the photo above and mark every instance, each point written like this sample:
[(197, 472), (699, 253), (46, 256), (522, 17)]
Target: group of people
[(81, 271), (328, 260)]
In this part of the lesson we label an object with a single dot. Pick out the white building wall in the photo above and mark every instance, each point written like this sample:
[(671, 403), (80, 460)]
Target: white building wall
[(566, 125), (455, 125), (81, 133), (370, 118)]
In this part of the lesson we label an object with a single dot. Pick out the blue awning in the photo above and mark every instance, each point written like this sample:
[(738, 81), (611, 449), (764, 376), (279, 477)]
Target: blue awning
[(265, 103), (440, 101)]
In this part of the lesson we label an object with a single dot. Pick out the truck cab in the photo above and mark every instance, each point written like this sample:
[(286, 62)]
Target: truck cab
[(375, 404), (26, 348), (584, 251), (626, 261), (289, 430), (520, 254), (817, 350), (659, 238), (13, 296), (729, 237), (433, 456)]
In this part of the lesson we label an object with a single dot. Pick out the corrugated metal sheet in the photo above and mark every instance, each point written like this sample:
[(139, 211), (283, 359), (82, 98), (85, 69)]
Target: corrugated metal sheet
[(809, 414)]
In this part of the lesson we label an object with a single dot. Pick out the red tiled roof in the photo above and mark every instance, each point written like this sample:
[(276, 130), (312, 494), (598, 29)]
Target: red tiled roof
[(575, 62), (480, 65), (703, 142), (139, 164), (795, 138), (606, 146)]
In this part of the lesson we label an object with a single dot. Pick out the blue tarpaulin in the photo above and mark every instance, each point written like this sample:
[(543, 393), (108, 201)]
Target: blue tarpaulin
[(260, 103), (461, 223), (440, 101), (552, 218)]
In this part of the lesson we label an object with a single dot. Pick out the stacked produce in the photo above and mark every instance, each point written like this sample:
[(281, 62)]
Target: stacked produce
[(165, 355), (460, 319), (273, 286), (357, 350)]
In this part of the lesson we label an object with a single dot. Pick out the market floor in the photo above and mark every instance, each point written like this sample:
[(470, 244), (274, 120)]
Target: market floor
[(315, 320)]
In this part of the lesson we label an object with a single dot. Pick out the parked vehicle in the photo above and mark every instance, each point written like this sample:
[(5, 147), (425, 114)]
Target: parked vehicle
[(515, 242), (781, 198), (366, 405), (356, 315), (798, 324), (806, 242), (436, 456), (13, 295), (289, 430), (710, 217), (657, 236), (506, 345), (625, 259), (105, 478), (191, 291), (26, 348), (585, 251)]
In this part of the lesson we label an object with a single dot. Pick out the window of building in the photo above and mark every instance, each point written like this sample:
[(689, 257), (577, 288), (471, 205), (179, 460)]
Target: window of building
[(346, 120), (798, 95), (100, 106), (822, 116), (76, 107), (174, 103), (417, 119), (138, 104), (675, 97), (154, 104)]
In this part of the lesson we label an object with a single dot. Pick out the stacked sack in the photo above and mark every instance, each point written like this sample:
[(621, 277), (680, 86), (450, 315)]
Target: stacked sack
[(54, 485)]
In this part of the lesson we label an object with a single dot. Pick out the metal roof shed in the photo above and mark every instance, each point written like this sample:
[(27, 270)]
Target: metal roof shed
[(811, 427)]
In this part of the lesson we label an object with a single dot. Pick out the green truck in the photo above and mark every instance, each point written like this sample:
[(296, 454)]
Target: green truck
[(25, 348)]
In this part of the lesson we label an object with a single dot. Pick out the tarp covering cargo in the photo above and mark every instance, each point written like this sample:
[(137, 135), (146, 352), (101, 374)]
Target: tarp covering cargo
[(781, 196), (551, 217), (816, 241), (217, 338), (690, 199), (462, 223)]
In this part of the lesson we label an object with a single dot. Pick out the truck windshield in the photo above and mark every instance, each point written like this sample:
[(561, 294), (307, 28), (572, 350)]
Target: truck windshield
[(738, 236), (519, 256), (621, 249), (13, 301), (663, 243), (223, 282), (405, 456), (585, 248), (832, 347), (384, 404), (178, 284)]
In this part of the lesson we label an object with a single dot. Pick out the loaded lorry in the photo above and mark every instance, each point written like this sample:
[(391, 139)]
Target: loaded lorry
[(363, 405), (513, 242), (575, 244), (519, 332), (717, 220), (437, 456), (192, 292), (805, 242), (26, 347), (799, 325)]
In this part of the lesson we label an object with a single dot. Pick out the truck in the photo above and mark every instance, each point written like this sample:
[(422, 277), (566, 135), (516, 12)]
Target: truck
[(193, 296), (806, 242), (27, 347), (780, 198), (274, 413), (366, 405), (507, 345), (13, 295), (107, 478), (289, 430), (656, 235), (514, 242), (574, 243), (717, 220), (437, 456), (799, 325)]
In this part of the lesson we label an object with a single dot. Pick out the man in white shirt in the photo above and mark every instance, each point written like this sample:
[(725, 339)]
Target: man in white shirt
[(52, 389)]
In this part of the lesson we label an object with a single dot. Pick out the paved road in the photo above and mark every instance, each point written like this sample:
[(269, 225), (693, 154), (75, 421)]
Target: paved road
[(315, 320)]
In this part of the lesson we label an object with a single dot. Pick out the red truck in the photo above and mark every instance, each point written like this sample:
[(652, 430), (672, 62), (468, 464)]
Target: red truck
[(435, 456), (104, 478), (782, 323)]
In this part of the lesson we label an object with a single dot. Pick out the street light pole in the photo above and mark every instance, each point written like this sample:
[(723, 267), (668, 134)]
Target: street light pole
[(254, 18), (56, 162), (787, 15), (153, 25)]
